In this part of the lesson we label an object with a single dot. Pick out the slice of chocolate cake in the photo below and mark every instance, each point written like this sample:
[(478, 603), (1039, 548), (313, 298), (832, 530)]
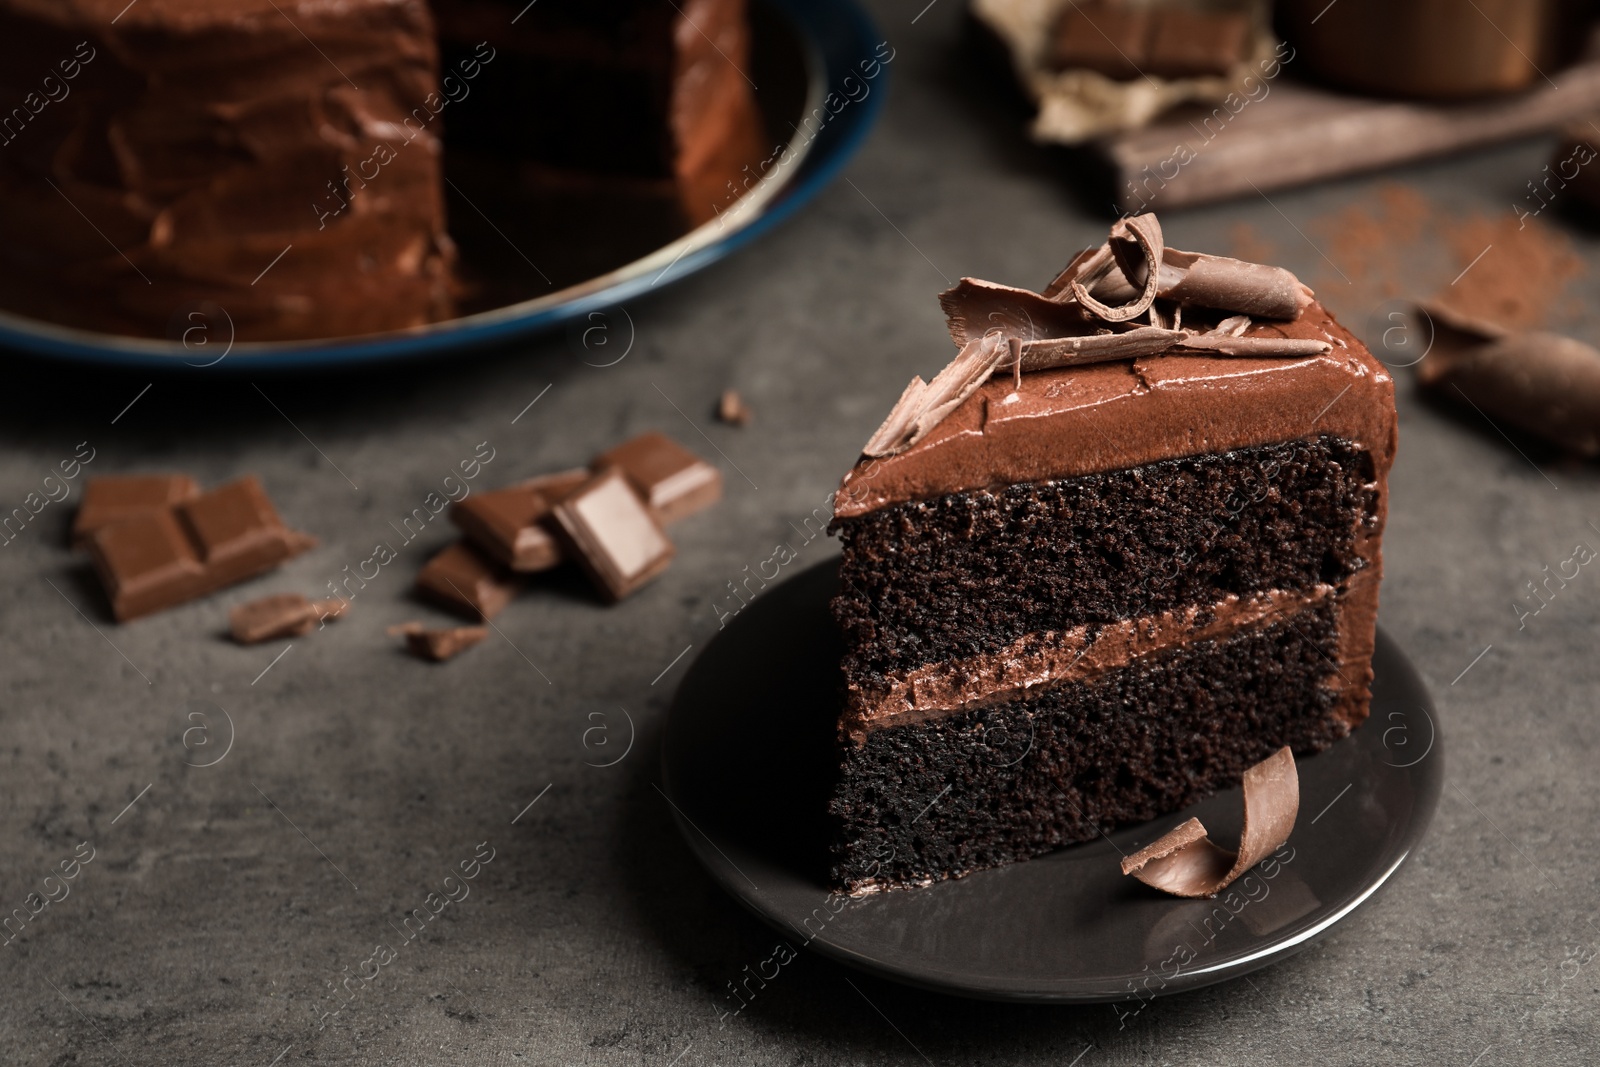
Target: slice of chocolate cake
[(1123, 548)]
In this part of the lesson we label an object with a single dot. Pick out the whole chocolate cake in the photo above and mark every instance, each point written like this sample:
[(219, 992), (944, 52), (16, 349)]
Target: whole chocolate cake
[(1123, 548), (278, 163)]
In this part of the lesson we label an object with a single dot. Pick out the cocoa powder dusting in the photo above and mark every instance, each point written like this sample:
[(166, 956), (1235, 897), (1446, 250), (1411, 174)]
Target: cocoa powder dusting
[(1400, 244), (1519, 278)]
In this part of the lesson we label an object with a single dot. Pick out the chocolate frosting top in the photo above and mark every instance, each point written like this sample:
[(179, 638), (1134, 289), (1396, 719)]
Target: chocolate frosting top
[(1108, 416)]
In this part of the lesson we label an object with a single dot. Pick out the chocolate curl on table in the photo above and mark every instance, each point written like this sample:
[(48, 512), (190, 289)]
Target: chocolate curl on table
[(1542, 383), (924, 405), (1185, 862)]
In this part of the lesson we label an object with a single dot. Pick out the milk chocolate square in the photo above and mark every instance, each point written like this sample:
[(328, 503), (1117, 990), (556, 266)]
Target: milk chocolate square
[(238, 531), (146, 563), (613, 535), (463, 579), (111, 499), (672, 480), (508, 524), (159, 559)]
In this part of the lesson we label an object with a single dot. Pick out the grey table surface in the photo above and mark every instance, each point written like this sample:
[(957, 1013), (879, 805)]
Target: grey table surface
[(224, 903)]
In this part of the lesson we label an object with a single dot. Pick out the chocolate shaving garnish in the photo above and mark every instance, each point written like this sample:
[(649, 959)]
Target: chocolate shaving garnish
[(1140, 233), (1098, 348), (1086, 316), (1224, 344), (974, 308), (1186, 863), (924, 406), (1201, 280), (1542, 383)]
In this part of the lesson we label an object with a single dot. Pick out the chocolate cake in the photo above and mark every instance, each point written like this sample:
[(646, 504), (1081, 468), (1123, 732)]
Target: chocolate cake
[(191, 149), (275, 167), (1125, 547)]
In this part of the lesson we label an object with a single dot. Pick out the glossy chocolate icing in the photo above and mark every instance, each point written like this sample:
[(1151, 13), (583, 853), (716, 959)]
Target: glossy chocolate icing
[(1110, 416), (199, 138)]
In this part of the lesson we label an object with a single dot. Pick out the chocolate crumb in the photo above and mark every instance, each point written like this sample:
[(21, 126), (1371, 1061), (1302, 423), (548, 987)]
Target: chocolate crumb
[(732, 409), (284, 615), (440, 645)]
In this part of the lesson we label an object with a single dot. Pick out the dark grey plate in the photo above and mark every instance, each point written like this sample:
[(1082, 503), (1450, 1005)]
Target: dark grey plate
[(746, 763)]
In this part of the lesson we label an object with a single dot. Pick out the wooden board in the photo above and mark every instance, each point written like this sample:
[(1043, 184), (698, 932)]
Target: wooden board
[(1296, 134)]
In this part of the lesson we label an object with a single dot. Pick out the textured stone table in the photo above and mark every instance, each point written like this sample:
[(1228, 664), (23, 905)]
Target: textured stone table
[(224, 904)]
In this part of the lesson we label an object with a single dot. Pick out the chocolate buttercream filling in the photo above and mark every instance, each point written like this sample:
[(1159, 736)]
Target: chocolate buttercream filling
[(1041, 660)]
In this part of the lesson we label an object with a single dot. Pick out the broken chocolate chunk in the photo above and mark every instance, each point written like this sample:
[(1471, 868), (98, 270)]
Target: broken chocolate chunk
[(465, 580), (613, 535), (440, 645), (732, 409), (283, 615), (509, 524), (673, 481)]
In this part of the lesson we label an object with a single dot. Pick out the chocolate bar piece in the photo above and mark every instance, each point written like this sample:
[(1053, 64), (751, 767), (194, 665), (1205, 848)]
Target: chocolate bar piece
[(282, 615), (613, 535), (155, 560), (463, 579), (1106, 38), (507, 524), (674, 481), (440, 645), (1186, 43), (1124, 42), (112, 499)]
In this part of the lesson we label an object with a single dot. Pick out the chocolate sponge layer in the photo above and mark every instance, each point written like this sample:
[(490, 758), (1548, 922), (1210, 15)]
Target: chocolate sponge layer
[(969, 573), (1134, 743)]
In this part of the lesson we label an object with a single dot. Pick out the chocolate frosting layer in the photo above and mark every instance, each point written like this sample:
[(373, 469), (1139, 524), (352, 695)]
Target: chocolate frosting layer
[(1111, 416), (1041, 660)]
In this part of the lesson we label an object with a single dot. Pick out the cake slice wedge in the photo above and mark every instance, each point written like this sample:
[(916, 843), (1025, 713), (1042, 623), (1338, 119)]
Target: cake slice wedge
[(1077, 595)]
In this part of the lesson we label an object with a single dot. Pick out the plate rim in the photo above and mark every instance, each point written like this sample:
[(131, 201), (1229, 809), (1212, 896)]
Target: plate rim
[(824, 28), (993, 987)]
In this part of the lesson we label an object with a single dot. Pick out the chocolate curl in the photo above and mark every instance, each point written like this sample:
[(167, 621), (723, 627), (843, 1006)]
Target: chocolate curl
[(1201, 280), (1185, 862), (1222, 344), (1142, 234), (1543, 383), (922, 407), (1098, 347), (1143, 341), (973, 308), (1060, 286)]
